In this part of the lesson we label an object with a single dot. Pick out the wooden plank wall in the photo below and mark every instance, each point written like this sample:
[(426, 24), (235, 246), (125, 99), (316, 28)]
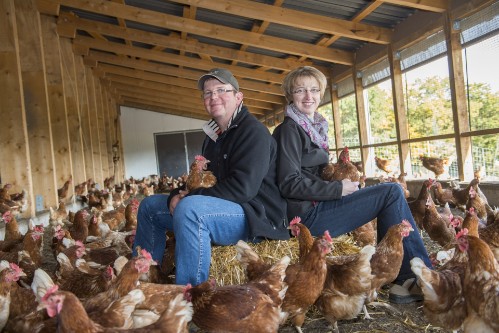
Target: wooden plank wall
[(58, 120)]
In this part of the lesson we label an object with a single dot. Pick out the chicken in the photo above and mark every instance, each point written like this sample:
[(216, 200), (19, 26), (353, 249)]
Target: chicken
[(240, 308), (59, 215), (439, 166), (341, 170), (387, 260), (401, 181), (131, 215), (80, 189), (302, 233), (384, 164), (14, 300), (481, 285), (476, 201), (444, 304), (462, 195), (63, 192), (126, 280), (12, 232), (438, 227), (72, 317), (443, 196), (347, 283), (114, 218), (418, 206), (79, 229), (199, 176), (305, 280), (365, 234), (489, 234)]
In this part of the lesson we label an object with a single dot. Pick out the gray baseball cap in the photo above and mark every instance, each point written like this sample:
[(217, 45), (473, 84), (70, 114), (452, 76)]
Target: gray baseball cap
[(221, 74)]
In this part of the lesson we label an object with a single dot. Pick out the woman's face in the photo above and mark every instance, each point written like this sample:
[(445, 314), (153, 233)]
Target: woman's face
[(306, 95)]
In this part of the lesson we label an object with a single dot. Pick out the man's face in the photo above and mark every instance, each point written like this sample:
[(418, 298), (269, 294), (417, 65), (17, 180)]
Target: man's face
[(221, 106)]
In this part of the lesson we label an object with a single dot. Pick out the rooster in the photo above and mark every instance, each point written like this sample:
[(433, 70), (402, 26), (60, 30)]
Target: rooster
[(198, 175), (249, 307), (439, 166)]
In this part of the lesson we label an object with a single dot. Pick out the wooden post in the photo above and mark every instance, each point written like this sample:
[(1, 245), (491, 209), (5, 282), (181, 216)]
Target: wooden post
[(94, 126), (57, 102), (362, 121), (73, 112), (36, 104), (15, 165)]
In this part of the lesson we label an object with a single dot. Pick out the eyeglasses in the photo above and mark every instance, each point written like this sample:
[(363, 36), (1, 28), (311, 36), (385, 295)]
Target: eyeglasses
[(302, 91), (219, 91)]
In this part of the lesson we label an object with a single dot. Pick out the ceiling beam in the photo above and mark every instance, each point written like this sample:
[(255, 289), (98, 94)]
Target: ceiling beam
[(296, 19), (438, 6), (195, 27), (69, 22)]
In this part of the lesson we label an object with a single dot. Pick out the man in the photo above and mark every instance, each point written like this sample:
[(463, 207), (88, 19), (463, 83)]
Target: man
[(244, 204)]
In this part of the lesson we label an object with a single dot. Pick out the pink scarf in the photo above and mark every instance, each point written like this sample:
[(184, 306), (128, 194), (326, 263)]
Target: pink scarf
[(316, 130)]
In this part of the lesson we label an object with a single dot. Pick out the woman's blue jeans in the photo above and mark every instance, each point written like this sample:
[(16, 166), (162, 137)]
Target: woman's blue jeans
[(385, 201), (197, 222)]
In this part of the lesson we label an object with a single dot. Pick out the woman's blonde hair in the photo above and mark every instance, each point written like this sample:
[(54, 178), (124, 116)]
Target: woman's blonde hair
[(288, 85)]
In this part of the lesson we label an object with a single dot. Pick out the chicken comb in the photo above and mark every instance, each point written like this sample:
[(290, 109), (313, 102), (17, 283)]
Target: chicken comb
[(199, 158), (461, 233), (472, 210), (327, 236), (49, 292), (295, 220), (39, 228), (79, 243), (7, 215), (144, 253), (406, 223), (15, 268)]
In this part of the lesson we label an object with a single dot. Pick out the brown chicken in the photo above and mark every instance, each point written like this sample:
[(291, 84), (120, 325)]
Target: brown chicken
[(477, 202), (11, 227), (444, 305), (462, 195), (347, 283), (481, 283), (401, 181), (58, 215), (198, 175), (387, 260), (341, 170), (126, 280), (240, 308), (62, 193), (384, 164), (418, 206), (305, 280), (365, 234), (131, 215), (489, 234), (114, 218), (79, 229), (72, 317), (437, 165), (438, 227), (443, 195)]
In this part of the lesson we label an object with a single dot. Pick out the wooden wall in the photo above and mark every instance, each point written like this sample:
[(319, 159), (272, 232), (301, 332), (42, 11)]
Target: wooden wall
[(58, 119)]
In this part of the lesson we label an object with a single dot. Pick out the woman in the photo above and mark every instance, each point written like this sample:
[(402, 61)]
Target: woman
[(336, 206)]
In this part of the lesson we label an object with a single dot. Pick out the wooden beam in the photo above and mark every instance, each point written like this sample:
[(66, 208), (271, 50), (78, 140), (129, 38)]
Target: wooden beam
[(16, 169), (296, 19), (176, 23), (36, 104), (162, 108), (47, 7), (69, 22), (57, 102)]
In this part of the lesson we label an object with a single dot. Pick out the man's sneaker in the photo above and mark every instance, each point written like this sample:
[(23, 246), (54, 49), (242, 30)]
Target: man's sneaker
[(405, 292)]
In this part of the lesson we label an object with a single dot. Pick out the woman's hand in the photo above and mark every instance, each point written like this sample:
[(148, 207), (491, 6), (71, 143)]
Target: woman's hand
[(175, 200), (349, 187)]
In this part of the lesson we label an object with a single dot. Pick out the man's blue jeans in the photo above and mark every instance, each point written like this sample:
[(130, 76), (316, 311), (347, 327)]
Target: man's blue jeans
[(197, 222), (385, 201)]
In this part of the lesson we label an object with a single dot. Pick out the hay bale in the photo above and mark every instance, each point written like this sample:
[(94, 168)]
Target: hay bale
[(227, 271)]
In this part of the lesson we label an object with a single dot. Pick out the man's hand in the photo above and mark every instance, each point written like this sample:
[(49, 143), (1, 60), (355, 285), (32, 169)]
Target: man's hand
[(175, 200), (349, 187)]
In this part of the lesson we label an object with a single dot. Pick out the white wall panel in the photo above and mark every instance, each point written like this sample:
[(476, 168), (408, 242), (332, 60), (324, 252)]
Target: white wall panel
[(138, 128)]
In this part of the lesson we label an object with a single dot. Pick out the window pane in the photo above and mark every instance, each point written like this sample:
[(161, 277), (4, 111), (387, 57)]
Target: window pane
[(349, 122), (428, 99), (327, 112), (381, 117), (482, 83), (435, 148), (485, 150)]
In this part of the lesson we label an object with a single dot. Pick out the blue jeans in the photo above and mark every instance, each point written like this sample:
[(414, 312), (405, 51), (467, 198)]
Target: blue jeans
[(197, 222), (385, 201)]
